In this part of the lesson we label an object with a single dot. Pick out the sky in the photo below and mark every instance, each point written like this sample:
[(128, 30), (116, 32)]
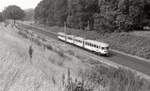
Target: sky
[(23, 4)]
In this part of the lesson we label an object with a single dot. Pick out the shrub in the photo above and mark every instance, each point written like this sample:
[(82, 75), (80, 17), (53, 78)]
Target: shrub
[(71, 52), (48, 47), (22, 34), (61, 53)]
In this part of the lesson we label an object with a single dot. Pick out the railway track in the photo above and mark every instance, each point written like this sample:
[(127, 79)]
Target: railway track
[(130, 62)]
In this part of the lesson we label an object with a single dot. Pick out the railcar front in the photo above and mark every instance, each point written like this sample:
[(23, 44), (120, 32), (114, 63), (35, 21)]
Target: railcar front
[(61, 36), (98, 47), (70, 39)]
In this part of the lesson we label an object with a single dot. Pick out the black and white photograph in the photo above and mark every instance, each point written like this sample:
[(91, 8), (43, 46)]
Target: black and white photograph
[(74, 45)]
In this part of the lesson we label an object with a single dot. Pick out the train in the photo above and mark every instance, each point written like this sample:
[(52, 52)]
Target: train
[(97, 47)]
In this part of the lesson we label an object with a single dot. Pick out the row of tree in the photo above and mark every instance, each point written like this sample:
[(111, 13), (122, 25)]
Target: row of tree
[(101, 15), (12, 12)]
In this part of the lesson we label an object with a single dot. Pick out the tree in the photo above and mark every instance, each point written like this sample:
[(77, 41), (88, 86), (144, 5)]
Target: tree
[(51, 12), (1, 17), (14, 12), (29, 14)]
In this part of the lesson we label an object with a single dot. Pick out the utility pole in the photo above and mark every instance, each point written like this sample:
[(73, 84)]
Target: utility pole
[(65, 28)]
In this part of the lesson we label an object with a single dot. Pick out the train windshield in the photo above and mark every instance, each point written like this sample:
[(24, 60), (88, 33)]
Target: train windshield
[(105, 48)]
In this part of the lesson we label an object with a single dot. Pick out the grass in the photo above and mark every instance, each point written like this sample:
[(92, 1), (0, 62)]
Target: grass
[(116, 79), (74, 85), (22, 34), (80, 57), (49, 47), (40, 41), (71, 52), (128, 43), (107, 77), (60, 53)]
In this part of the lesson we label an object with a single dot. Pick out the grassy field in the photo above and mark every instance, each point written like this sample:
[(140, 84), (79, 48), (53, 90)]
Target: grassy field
[(141, 33), (96, 77), (42, 72)]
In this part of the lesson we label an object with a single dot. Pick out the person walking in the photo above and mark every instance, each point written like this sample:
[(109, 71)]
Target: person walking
[(31, 53)]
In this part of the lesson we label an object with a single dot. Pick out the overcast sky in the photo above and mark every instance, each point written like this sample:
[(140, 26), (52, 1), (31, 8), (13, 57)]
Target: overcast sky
[(24, 4)]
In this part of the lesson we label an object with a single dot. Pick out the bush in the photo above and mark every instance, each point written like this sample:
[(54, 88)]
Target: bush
[(49, 47), (22, 34), (71, 52)]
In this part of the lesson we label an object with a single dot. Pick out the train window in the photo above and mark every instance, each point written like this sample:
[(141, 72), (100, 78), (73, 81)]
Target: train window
[(87, 43), (91, 44), (105, 48), (96, 46), (70, 38)]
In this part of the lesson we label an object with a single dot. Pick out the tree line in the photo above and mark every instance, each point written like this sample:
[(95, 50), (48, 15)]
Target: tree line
[(100, 15)]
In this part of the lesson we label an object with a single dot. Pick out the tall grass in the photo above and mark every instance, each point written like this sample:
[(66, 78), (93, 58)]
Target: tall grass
[(116, 79), (74, 85)]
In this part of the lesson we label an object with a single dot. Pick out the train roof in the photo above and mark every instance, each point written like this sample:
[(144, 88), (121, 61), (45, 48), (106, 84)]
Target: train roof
[(80, 38), (61, 33), (98, 43), (70, 35)]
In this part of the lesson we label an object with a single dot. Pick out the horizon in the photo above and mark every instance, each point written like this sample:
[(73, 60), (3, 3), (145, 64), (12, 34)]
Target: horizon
[(23, 4)]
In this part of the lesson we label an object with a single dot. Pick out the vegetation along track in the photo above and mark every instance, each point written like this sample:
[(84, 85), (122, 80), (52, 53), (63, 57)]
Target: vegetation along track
[(136, 64)]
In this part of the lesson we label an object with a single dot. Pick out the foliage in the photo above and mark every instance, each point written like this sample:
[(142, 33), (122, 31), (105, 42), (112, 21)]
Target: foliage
[(29, 14), (100, 15), (51, 12), (13, 12), (1, 17)]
